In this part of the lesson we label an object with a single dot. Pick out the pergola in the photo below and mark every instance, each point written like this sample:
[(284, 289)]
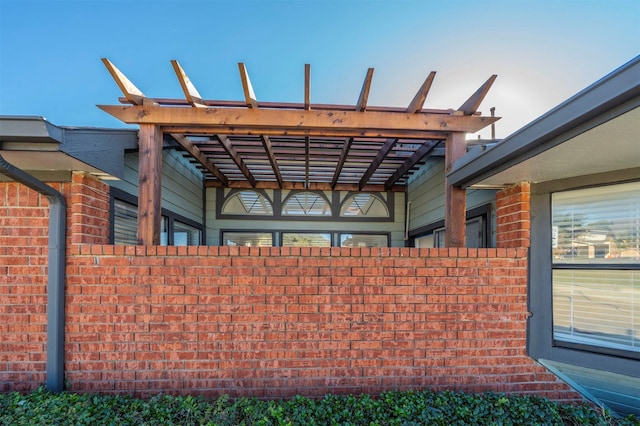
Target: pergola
[(251, 144)]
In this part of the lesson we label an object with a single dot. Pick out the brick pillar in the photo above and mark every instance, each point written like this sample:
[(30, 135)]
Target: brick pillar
[(513, 211), (88, 210)]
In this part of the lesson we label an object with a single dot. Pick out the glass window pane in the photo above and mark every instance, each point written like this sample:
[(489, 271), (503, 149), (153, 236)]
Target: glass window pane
[(475, 233), (249, 239), (365, 205), (305, 239), (597, 307), (426, 241), (306, 204), (364, 240), (164, 233), (125, 223), (185, 235), (248, 203), (597, 225)]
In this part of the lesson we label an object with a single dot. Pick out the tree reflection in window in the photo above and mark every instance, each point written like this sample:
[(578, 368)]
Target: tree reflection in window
[(365, 205), (306, 204), (248, 202)]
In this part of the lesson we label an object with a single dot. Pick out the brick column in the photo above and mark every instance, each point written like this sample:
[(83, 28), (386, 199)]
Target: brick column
[(88, 210), (513, 211)]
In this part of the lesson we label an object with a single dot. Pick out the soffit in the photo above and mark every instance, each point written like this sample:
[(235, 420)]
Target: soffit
[(613, 145)]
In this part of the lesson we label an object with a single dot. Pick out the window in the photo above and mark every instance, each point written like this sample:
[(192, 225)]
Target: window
[(185, 235), (174, 229), (248, 203), (595, 248), (364, 205), (364, 240), (247, 238), (306, 204), (306, 239), (476, 235), (125, 223)]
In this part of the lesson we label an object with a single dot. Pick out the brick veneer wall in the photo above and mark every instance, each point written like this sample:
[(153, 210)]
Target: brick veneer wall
[(24, 230), (266, 322), (513, 216)]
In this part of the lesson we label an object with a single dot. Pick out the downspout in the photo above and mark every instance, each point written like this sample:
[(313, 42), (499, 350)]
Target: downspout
[(56, 281)]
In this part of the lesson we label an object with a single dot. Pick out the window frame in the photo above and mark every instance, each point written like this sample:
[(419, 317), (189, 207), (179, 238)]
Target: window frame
[(540, 342), (123, 196), (593, 266), (335, 199), (387, 235), (483, 212)]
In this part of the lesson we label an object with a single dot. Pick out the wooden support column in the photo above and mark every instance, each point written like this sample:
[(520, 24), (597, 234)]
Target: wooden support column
[(455, 208), (149, 185)]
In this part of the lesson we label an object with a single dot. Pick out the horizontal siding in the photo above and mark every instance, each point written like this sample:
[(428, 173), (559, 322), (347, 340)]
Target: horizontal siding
[(181, 184)]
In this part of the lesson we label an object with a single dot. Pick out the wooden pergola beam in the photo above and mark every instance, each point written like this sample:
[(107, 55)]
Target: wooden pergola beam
[(266, 143), (418, 100), (195, 152), (414, 107), (473, 103), (307, 87), (149, 185), (313, 186), (252, 103), (130, 91), (455, 198), (360, 106), (380, 156), (231, 151), (418, 155), (325, 123), (249, 95), (190, 91)]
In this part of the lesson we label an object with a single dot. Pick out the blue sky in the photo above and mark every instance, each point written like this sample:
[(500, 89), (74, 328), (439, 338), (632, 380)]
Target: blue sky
[(543, 51)]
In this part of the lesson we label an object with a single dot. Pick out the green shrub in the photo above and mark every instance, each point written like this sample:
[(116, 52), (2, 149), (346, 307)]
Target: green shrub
[(391, 408)]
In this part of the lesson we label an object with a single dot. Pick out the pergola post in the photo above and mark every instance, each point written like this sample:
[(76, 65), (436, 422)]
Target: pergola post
[(455, 198), (149, 184)]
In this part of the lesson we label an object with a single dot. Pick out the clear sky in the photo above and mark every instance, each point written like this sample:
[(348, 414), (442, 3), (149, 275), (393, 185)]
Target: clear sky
[(543, 51)]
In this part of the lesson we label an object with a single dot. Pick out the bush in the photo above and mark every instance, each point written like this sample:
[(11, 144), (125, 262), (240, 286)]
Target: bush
[(391, 408)]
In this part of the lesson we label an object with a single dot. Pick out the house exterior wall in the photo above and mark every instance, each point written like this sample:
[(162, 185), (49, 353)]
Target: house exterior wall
[(426, 194), (266, 322), (182, 185)]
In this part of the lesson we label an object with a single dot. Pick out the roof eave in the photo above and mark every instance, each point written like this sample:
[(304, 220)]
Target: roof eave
[(617, 88)]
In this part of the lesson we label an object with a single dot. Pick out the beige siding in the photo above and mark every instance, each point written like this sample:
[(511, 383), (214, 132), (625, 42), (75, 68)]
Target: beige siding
[(181, 184)]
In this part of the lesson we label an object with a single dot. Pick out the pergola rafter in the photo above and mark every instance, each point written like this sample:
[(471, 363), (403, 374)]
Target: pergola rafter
[(257, 144)]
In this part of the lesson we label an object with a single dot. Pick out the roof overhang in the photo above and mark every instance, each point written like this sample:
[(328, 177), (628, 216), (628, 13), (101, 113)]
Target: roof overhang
[(32, 143), (595, 131)]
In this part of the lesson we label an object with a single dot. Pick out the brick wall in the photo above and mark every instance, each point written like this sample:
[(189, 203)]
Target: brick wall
[(266, 322), (24, 230), (513, 216)]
